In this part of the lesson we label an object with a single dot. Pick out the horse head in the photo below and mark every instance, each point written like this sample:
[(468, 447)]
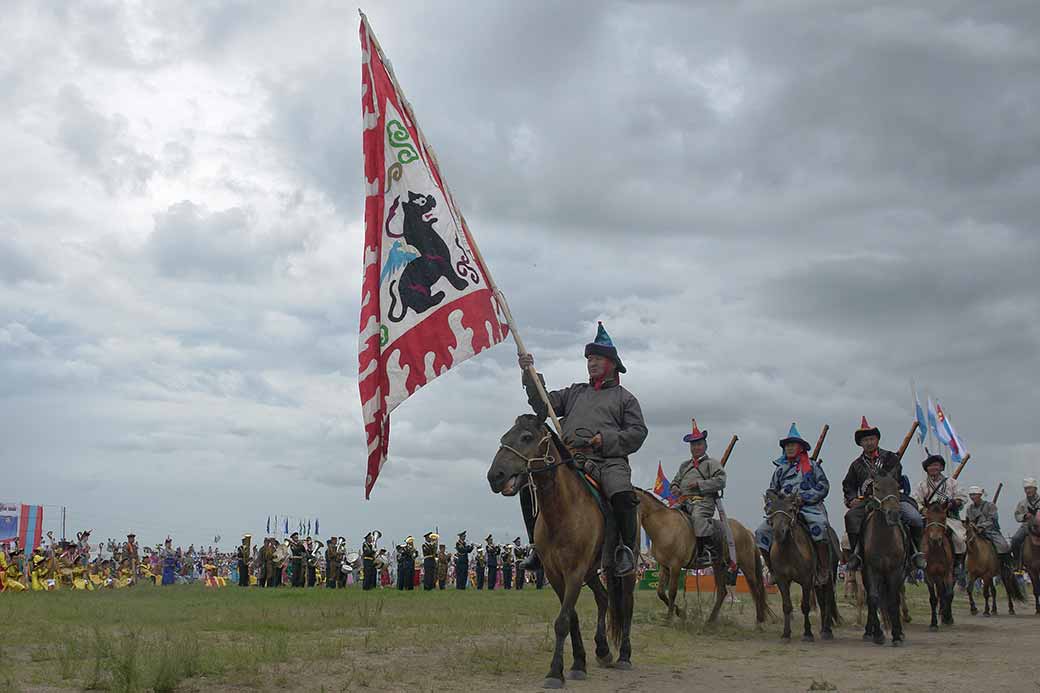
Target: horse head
[(781, 512), (885, 497), (935, 521), (523, 444)]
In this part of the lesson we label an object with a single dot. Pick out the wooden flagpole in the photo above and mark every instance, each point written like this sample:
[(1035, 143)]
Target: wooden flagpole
[(996, 495), (819, 443), (960, 467), (906, 441), (729, 449), (500, 299)]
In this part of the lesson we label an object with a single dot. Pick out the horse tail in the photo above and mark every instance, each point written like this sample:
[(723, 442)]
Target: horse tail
[(1013, 587), (836, 618), (759, 591)]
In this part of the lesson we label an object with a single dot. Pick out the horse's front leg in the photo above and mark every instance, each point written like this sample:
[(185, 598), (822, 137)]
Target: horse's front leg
[(807, 591), (826, 597), (933, 599), (562, 626), (577, 672), (895, 608), (603, 656), (971, 595), (947, 600), (785, 594), (873, 593)]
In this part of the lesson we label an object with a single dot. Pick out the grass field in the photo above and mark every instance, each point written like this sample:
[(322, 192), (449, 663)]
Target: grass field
[(191, 638)]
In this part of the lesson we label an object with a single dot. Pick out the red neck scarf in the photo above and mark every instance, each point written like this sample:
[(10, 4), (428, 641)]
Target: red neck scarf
[(803, 462)]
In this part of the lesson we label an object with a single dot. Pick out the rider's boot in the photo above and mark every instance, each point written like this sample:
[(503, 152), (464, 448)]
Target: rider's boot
[(916, 534), (823, 562), (855, 560), (626, 515), (532, 562)]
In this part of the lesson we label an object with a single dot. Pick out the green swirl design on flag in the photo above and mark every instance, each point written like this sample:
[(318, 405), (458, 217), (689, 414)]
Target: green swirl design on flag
[(399, 138)]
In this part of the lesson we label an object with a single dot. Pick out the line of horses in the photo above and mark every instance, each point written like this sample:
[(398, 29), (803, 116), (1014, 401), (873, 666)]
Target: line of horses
[(570, 533)]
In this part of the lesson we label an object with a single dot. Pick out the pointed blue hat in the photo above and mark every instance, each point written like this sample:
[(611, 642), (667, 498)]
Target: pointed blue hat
[(604, 346), (793, 436)]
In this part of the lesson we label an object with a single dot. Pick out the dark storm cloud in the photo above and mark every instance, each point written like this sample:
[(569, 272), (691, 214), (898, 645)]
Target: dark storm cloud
[(782, 211)]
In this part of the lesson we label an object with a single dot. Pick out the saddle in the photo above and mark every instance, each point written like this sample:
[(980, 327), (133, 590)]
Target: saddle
[(611, 535)]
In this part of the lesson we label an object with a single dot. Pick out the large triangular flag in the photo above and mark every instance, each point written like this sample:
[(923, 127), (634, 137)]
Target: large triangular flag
[(948, 435), (427, 300)]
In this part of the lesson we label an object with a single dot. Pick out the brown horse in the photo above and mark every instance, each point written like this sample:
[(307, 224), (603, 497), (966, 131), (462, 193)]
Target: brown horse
[(884, 559), (1031, 558), (792, 558), (983, 562), (673, 543), (938, 552), (569, 534)]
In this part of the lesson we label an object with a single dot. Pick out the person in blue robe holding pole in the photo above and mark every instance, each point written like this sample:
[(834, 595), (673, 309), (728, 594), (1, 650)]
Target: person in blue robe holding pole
[(798, 474)]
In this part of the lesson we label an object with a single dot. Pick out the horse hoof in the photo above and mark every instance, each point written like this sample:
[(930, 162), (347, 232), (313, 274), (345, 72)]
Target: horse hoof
[(808, 638), (879, 640), (974, 612), (552, 683), (868, 636), (623, 665), (827, 635), (786, 639), (987, 614), (577, 675), (934, 629), (604, 661), (897, 643)]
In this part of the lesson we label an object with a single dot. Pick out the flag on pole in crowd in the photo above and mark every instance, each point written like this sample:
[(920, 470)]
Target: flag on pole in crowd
[(922, 422), (948, 435), (269, 523), (427, 301), (663, 487), (316, 530), (286, 526), (933, 426)]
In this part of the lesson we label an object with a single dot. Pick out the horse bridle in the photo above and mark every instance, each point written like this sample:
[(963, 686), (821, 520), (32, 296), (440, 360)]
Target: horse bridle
[(550, 462)]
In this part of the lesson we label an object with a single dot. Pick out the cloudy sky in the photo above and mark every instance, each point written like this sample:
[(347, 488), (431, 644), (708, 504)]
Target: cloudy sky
[(782, 211)]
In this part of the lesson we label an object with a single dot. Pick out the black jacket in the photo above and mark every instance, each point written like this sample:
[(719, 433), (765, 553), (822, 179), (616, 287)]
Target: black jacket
[(861, 470)]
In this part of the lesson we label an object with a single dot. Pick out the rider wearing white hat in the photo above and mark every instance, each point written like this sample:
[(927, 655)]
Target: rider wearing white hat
[(983, 514), (1025, 511)]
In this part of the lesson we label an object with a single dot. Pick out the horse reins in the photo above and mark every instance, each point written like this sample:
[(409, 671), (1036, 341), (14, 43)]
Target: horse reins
[(550, 464)]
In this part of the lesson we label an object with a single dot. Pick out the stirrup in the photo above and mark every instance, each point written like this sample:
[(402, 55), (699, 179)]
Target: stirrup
[(624, 561)]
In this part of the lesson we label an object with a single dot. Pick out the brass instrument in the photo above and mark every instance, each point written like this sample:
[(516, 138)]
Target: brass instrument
[(248, 546)]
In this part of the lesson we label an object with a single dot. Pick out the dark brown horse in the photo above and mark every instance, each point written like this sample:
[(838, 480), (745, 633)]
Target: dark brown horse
[(1031, 558), (792, 558), (569, 534), (673, 543), (983, 562), (884, 559), (938, 552)]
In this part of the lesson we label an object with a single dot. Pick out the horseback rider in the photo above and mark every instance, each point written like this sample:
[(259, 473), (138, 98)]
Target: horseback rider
[(602, 425), (938, 488), (857, 487), (698, 484), (798, 474), (984, 515), (1025, 511)]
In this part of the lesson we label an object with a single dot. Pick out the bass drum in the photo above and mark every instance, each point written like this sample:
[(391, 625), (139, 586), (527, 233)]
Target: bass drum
[(281, 552)]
